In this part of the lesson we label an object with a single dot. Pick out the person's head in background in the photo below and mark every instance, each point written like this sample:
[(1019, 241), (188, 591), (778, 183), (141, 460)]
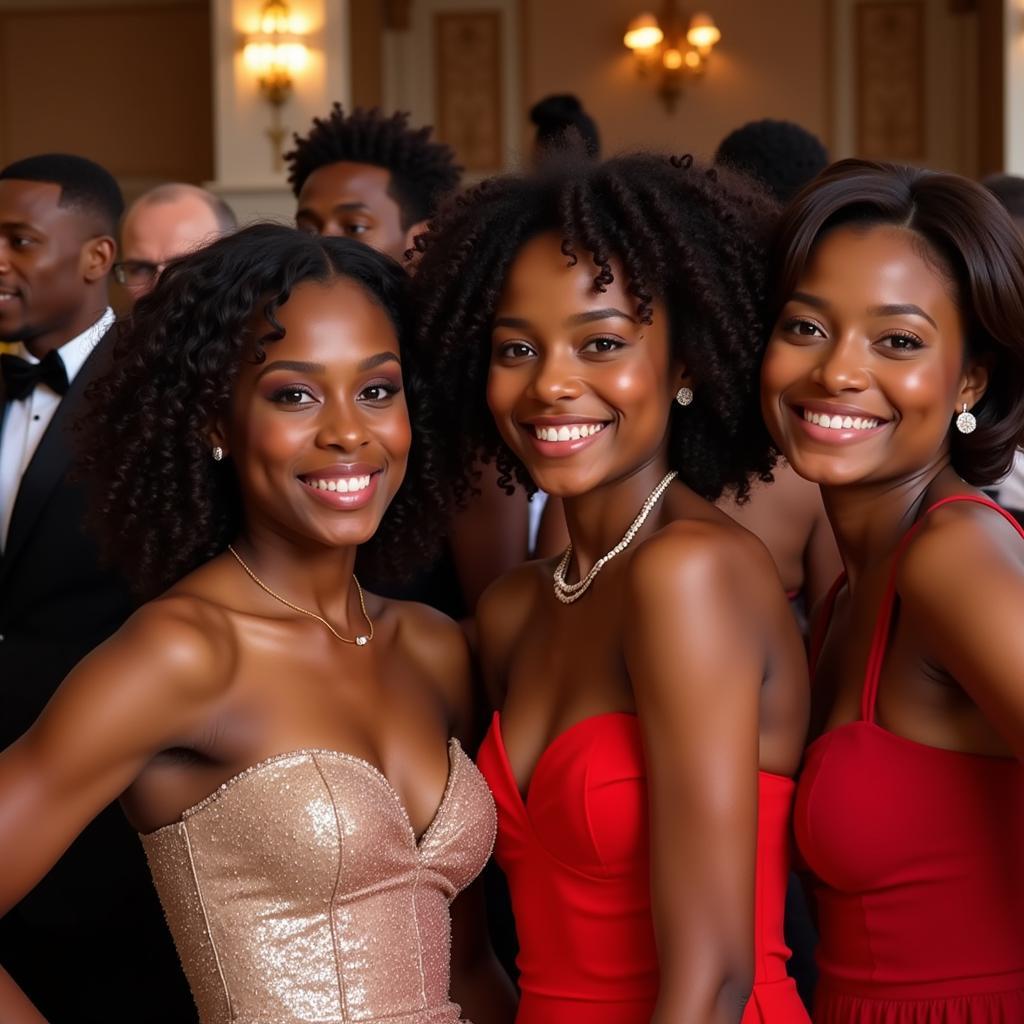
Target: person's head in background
[(164, 223), (58, 220), (563, 124), (1009, 190), (369, 177), (780, 154)]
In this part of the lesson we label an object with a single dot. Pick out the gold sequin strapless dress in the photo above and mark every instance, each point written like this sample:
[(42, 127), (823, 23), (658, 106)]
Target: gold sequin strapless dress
[(297, 892)]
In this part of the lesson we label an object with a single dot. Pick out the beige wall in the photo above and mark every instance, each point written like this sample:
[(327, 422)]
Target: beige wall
[(128, 86), (773, 61)]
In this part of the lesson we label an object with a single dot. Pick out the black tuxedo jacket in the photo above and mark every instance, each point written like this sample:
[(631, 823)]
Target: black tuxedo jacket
[(56, 603), (89, 943)]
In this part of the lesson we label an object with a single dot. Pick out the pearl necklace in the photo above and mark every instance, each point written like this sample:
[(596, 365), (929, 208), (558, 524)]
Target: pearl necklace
[(360, 641), (569, 592)]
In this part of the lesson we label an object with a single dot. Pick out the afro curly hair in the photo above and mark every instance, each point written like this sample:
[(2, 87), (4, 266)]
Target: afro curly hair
[(693, 237), (161, 506), (780, 154), (422, 172)]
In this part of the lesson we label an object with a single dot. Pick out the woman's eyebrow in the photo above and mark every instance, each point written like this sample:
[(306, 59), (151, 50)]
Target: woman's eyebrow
[(519, 323), (379, 359), (902, 309), (292, 364), (599, 314)]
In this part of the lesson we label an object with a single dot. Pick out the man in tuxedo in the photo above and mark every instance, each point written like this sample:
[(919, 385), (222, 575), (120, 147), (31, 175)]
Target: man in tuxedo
[(89, 943)]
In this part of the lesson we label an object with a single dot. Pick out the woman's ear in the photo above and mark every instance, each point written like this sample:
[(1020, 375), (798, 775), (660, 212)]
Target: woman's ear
[(973, 385), (217, 438)]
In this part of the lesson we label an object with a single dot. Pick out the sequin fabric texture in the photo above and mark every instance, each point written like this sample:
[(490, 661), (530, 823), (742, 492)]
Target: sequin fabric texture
[(297, 892)]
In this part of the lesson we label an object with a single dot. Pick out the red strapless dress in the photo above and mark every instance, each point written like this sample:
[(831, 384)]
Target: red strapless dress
[(918, 855), (577, 861)]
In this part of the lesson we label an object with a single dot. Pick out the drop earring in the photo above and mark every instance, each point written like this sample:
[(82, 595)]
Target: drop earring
[(684, 396), (966, 422), (218, 453)]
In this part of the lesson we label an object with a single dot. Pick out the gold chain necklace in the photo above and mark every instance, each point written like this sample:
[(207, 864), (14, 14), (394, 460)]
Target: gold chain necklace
[(360, 641), (567, 593)]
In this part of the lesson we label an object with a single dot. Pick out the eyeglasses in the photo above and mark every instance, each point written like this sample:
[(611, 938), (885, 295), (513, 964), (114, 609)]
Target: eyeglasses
[(136, 273)]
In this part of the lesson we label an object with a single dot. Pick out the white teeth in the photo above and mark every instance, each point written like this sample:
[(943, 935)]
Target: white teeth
[(840, 422), (576, 432), (343, 485)]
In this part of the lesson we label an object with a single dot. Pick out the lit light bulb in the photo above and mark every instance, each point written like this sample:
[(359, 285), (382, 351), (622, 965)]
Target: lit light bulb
[(672, 59), (692, 59), (703, 32), (643, 32)]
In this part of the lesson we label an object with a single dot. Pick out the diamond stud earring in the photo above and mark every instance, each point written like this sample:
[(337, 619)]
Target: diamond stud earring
[(218, 453), (684, 396), (966, 422)]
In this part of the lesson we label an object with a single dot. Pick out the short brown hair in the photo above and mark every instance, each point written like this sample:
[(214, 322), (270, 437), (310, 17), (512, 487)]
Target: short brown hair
[(964, 227)]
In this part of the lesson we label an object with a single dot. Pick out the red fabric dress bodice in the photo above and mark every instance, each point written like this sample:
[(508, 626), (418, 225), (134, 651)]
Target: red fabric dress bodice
[(918, 858), (577, 858)]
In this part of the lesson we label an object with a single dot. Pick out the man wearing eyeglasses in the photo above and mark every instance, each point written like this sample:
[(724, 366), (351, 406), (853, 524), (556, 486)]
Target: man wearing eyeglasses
[(162, 224)]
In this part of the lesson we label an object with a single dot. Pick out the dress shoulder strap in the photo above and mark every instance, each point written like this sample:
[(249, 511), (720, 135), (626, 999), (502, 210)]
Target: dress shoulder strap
[(883, 624)]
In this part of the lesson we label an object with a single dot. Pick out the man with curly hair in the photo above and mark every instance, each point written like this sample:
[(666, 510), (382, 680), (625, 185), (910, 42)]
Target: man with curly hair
[(87, 944), (369, 177)]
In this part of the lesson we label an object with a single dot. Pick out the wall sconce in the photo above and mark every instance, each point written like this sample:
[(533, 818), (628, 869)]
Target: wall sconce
[(275, 55), (662, 47)]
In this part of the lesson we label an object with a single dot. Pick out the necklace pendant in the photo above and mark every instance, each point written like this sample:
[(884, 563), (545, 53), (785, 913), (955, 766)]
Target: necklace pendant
[(362, 640)]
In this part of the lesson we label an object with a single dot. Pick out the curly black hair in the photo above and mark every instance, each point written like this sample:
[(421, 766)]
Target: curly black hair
[(691, 236), (782, 155), (160, 505), (972, 239), (422, 172), (557, 117)]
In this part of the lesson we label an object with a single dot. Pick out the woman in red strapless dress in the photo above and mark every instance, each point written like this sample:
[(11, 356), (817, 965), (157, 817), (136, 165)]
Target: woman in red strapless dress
[(608, 314), (894, 378)]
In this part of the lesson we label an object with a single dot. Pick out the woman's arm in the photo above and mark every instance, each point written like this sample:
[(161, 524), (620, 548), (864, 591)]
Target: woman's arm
[(478, 983), (696, 662), (961, 583), (135, 695), (489, 536)]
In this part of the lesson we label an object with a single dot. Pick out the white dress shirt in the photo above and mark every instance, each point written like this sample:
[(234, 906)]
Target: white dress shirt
[(25, 421)]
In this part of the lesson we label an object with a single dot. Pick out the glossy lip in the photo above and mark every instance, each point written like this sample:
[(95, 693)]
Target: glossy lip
[(561, 449), (826, 435), (339, 500)]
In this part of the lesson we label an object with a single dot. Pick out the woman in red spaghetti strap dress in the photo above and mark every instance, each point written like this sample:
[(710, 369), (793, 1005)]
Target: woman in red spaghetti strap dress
[(895, 379), (651, 679)]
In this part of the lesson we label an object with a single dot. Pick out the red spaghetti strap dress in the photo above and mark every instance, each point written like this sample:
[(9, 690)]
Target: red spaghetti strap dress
[(918, 858), (576, 857)]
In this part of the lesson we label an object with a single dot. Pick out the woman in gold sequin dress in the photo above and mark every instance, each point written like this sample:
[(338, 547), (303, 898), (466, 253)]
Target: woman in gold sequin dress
[(286, 744)]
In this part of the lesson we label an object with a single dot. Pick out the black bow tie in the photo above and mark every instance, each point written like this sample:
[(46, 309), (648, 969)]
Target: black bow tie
[(21, 376)]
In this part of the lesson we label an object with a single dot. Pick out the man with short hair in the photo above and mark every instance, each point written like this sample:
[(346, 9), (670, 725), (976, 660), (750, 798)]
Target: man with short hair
[(88, 944), (164, 223), (370, 177), (783, 156)]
